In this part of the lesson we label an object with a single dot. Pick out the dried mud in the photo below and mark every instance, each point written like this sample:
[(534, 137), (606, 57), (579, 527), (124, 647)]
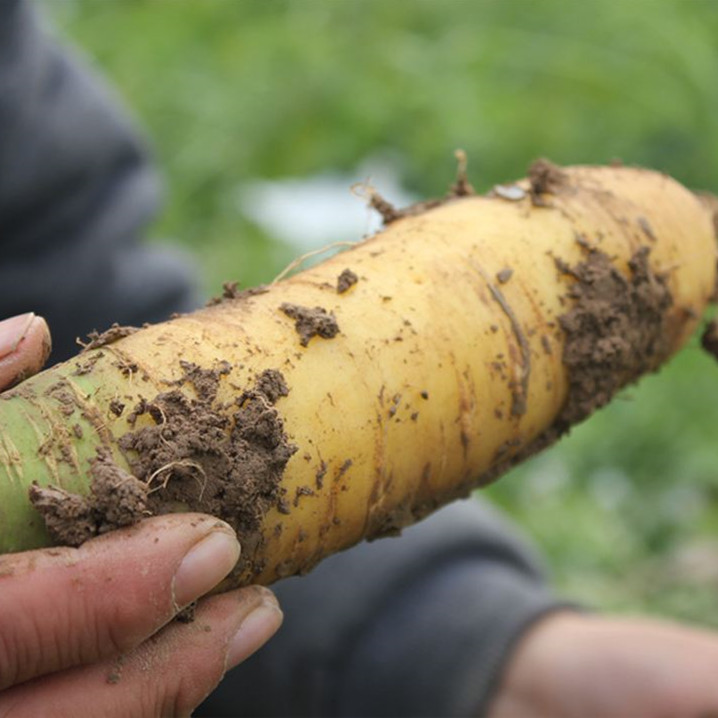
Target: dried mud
[(190, 454), (613, 333), (101, 339), (116, 499), (223, 460), (545, 178), (614, 330), (311, 322), (346, 280), (231, 291)]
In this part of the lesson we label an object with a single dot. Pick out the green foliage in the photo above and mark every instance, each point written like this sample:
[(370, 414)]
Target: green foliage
[(235, 90)]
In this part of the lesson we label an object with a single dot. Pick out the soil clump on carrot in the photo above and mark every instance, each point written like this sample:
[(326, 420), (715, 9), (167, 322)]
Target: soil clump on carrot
[(101, 339), (545, 178), (116, 499), (346, 280), (195, 457), (231, 290), (614, 331), (311, 322)]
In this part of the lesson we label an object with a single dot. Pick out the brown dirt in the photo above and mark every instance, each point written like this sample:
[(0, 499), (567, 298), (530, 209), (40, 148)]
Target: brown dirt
[(231, 290), (545, 178), (204, 381), (460, 188), (271, 384), (101, 339), (86, 367), (69, 518), (321, 473), (196, 457), (61, 392), (389, 213), (346, 280), (614, 331), (116, 499), (117, 407), (187, 614), (311, 322)]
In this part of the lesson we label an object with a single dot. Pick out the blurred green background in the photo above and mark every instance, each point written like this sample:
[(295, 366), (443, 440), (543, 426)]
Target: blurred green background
[(234, 91)]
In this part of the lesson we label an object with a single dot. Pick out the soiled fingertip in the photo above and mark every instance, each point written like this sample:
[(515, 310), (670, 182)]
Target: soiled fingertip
[(205, 565), (255, 629)]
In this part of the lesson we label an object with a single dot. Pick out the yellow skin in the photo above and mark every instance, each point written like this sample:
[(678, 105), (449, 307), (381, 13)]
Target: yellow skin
[(405, 407)]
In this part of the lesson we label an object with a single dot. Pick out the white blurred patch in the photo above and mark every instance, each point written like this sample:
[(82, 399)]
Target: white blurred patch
[(610, 487), (310, 212), (546, 479)]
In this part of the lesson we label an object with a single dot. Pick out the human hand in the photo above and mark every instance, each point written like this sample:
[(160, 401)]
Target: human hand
[(84, 631), (583, 666)]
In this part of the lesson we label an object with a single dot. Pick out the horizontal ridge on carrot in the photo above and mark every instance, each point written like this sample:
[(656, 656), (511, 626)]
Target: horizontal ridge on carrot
[(355, 397)]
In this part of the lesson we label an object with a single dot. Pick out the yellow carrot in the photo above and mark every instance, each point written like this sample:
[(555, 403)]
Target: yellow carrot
[(355, 397)]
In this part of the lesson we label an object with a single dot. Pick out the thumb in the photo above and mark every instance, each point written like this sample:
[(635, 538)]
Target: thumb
[(24, 348)]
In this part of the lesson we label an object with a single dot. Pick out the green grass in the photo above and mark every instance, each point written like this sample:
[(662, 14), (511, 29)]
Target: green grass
[(233, 90)]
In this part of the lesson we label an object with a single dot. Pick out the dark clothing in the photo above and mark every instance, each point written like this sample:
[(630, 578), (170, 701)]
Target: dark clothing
[(417, 626), (76, 194), (412, 626)]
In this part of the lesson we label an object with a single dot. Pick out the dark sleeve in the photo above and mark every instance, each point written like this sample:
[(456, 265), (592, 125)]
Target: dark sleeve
[(416, 626), (76, 193)]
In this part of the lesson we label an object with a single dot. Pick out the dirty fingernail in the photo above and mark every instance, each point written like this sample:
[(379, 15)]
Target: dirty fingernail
[(254, 631), (13, 331), (204, 566)]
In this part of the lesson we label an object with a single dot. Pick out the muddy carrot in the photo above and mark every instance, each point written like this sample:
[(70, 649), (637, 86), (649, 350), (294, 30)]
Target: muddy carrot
[(355, 397)]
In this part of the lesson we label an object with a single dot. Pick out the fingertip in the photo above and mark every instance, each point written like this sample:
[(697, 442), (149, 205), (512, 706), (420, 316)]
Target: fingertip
[(254, 630), (41, 328), (25, 346), (206, 563)]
